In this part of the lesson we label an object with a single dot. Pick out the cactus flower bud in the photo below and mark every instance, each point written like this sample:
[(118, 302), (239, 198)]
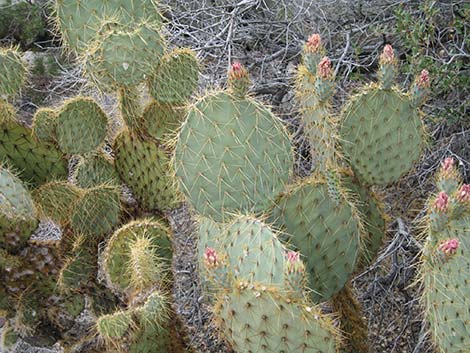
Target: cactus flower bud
[(388, 55), (447, 165), (449, 247), (313, 44), (463, 195), (294, 264), (423, 80), (442, 202), (210, 257), (324, 68), (238, 79)]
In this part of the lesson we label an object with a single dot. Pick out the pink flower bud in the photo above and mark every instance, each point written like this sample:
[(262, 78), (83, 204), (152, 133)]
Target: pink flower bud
[(293, 256), (294, 264), (449, 247), (463, 195), (210, 257), (324, 68), (313, 43), (388, 55), (442, 202), (447, 164), (236, 66), (423, 80)]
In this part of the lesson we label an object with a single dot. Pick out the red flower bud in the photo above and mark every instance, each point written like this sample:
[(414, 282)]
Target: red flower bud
[(388, 55), (324, 68), (442, 202), (313, 43), (449, 247), (210, 257)]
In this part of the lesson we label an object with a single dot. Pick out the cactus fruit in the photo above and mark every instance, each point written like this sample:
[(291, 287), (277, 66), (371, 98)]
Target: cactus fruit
[(124, 55), (382, 134), (232, 155), (137, 256), (176, 77), (146, 169), (13, 72), (388, 67), (44, 124), (95, 169), (255, 318), (97, 212), (55, 200), (79, 22), (37, 162), (81, 126), (17, 212), (160, 120), (325, 228)]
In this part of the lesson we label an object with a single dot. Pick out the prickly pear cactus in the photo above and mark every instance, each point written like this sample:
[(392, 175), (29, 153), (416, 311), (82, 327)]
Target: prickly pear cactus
[(381, 133), (44, 123), (13, 72), (137, 256), (146, 169), (160, 120), (446, 269), (95, 169), (232, 155), (81, 126), (325, 227), (256, 318), (17, 212)]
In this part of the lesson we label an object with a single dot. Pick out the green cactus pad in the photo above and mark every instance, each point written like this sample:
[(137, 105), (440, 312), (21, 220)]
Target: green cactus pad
[(77, 271), (121, 264), (326, 228), (37, 162), (147, 170), (97, 212), (114, 326), (80, 21), (176, 77), (232, 155), (124, 56), (7, 111), (17, 211), (160, 120), (447, 290), (56, 200), (155, 339), (155, 310), (382, 135), (44, 124), (81, 126), (260, 319), (13, 72), (94, 170), (130, 107)]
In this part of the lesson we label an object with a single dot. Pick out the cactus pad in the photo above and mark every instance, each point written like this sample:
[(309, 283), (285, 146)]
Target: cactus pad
[(176, 77), (125, 267), (382, 135), (325, 228), (232, 155), (94, 170), (12, 72), (160, 120), (81, 126), (147, 170), (257, 319), (44, 123)]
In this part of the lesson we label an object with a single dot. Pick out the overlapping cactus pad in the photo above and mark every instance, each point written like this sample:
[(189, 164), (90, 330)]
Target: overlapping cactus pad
[(94, 170), (160, 120), (12, 72), (44, 123), (232, 155), (325, 228), (259, 319), (147, 170), (79, 21), (382, 135), (81, 126)]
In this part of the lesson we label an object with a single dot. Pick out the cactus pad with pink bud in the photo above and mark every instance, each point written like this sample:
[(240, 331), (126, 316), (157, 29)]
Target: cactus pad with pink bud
[(420, 89), (238, 80), (313, 51), (448, 177)]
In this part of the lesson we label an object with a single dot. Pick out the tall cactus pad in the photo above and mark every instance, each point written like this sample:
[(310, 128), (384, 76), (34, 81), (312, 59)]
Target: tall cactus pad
[(124, 56), (81, 126), (326, 229), (80, 21), (176, 77), (17, 212), (147, 170), (56, 200), (232, 155), (97, 212), (381, 134), (128, 266), (37, 162), (94, 170), (447, 289), (13, 72), (44, 123), (256, 319), (160, 120)]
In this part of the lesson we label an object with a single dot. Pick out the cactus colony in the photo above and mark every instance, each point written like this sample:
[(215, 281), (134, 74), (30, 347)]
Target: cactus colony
[(231, 159)]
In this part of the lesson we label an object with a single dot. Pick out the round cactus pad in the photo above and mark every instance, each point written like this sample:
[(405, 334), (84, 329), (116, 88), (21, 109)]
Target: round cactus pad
[(232, 155), (160, 120), (12, 72), (44, 123), (94, 170), (382, 135)]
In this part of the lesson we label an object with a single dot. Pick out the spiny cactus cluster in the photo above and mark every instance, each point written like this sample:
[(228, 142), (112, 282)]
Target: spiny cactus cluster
[(272, 246)]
